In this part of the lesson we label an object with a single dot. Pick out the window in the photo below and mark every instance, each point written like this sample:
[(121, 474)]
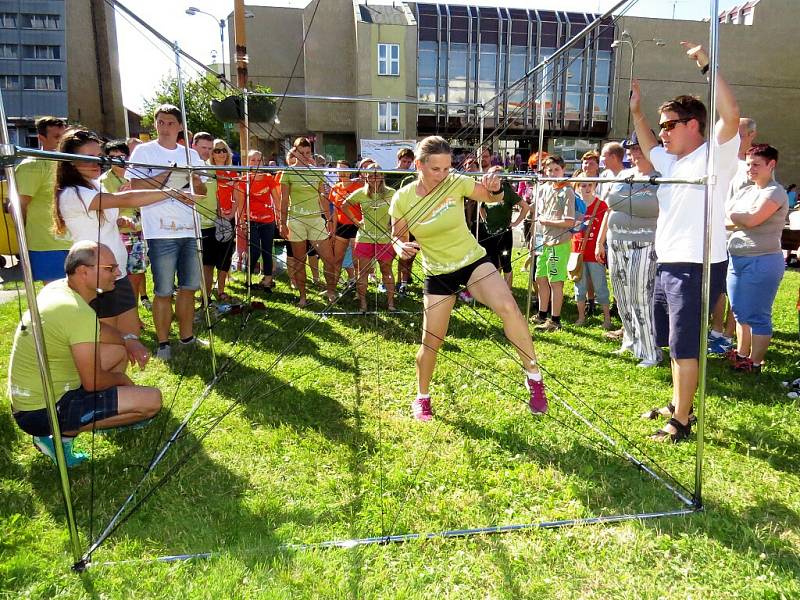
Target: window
[(41, 52), (8, 20), (389, 117), (9, 82), (388, 59), (9, 51), (42, 82), (33, 21)]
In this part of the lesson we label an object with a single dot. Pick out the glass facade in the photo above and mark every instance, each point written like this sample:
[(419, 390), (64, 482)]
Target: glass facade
[(479, 55)]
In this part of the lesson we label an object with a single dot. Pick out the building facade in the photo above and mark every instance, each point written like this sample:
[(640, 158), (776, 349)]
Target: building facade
[(59, 58)]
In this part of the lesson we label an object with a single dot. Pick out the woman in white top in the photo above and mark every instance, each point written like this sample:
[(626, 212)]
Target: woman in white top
[(89, 214)]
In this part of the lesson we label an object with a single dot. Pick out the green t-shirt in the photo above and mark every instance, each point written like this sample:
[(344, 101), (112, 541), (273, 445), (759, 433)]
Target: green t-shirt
[(376, 229), (110, 182), (498, 216), (66, 320), (37, 178), (437, 222), (207, 207), (303, 192)]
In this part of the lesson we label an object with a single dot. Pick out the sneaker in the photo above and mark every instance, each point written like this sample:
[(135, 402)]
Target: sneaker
[(401, 289), (163, 353), (548, 326), (718, 345), (146, 303), (620, 351), (537, 320), (381, 288), (465, 296), (194, 342), (590, 307), (745, 365), (733, 355), (421, 409), (45, 445), (538, 402), (645, 364)]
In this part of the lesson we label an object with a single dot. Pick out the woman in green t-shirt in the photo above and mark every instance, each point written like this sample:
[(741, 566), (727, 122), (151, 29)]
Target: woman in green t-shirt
[(373, 240), (432, 209)]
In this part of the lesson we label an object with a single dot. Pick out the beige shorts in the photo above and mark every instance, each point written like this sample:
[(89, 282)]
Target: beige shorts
[(311, 228)]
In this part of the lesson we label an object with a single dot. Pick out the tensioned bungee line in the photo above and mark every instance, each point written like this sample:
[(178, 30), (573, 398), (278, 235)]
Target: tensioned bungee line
[(244, 351)]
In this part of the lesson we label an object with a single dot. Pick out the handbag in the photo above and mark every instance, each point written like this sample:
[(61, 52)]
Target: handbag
[(223, 230), (575, 262)]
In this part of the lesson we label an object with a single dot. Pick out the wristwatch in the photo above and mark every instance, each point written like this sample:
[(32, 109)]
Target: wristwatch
[(130, 336)]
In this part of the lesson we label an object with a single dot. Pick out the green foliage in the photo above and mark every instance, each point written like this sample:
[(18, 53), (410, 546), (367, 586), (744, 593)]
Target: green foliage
[(198, 94)]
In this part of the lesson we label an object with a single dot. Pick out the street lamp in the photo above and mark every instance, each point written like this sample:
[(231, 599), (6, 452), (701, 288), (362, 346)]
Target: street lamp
[(221, 22), (626, 39)]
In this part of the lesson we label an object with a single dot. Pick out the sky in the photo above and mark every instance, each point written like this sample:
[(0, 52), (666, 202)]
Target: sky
[(144, 60)]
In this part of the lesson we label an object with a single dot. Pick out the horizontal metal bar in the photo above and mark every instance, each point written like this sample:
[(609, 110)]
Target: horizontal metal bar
[(408, 537), (362, 99)]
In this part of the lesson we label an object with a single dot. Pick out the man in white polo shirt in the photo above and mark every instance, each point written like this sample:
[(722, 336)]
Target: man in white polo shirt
[(169, 227), (680, 234)]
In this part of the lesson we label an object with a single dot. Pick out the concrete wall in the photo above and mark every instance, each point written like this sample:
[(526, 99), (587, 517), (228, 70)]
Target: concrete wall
[(94, 90), (274, 39), (753, 59)]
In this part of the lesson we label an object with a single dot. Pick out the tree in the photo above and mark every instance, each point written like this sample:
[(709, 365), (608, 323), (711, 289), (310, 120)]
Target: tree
[(197, 94)]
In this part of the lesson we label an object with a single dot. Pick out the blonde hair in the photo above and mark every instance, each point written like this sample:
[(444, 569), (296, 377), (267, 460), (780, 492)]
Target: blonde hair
[(217, 143), (431, 145)]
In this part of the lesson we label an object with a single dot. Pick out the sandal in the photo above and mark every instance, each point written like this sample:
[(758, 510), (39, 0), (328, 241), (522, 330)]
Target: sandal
[(655, 413), (682, 432), (223, 297)]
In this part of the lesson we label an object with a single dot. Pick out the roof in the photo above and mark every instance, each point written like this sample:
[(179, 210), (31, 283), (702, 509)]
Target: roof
[(395, 13)]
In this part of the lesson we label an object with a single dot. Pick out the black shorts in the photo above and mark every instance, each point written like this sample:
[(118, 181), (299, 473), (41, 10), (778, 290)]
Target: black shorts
[(75, 409), (347, 231), (450, 283), (498, 247), (116, 302), (677, 300), (215, 253)]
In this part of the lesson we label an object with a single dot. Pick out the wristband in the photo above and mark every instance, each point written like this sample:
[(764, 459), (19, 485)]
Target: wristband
[(704, 70), (130, 336)]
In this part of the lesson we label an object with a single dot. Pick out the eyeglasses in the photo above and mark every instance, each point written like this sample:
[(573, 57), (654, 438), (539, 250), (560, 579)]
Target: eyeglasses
[(220, 151), (673, 123), (109, 268)]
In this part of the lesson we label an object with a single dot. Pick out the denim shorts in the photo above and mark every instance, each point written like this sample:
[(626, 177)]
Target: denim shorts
[(171, 256), (75, 409), (753, 283)]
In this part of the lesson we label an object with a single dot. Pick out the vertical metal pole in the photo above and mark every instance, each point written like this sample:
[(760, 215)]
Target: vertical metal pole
[(38, 340), (478, 204), (630, 90), (196, 217), (245, 162), (713, 57), (536, 188)]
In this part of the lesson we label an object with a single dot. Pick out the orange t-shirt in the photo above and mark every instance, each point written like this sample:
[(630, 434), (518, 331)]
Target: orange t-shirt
[(226, 182), (339, 194), (262, 209)]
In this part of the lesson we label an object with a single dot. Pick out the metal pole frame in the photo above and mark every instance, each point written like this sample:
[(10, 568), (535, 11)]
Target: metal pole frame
[(711, 184), (249, 274), (38, 338), (195, 216)]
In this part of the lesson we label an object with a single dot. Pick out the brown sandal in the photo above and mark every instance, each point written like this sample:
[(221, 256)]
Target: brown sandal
[(682, 432), (655, 413)]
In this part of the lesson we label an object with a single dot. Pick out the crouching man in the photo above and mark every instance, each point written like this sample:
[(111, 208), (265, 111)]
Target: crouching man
[(86, 359)]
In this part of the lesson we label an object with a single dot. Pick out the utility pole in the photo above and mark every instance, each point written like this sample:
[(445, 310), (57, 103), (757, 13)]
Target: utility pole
[(240, 40)]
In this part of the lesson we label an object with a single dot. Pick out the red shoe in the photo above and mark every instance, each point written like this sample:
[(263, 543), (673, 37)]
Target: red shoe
[(421, 409), (538, 401)]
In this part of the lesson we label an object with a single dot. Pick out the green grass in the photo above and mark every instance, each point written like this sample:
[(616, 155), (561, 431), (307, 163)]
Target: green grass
[(321, 447)]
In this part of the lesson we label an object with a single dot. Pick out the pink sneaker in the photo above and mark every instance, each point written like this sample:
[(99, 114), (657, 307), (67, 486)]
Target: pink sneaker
[(538, 401), (421, 409), (465, 296)]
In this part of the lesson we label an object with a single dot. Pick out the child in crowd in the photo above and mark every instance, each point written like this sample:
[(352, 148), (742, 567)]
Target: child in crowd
[(555, 215), (584, 241)]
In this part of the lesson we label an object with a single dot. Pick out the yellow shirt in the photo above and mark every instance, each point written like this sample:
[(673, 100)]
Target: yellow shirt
[(437, 222), (303, 192), (37, 178)]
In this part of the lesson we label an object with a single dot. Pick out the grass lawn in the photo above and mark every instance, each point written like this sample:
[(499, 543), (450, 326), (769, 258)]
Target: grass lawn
[(320, 446)]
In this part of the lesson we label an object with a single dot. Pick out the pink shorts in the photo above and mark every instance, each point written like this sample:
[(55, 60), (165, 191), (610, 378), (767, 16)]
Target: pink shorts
[(380, 252)]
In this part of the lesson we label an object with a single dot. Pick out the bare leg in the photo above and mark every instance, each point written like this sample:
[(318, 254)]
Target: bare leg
[(222, 278), (138, 283), (363, 265), (325, 250), (758, 347), (313, 264), (684, 386), (208, 275), (388, 281), (162, 317), (184, 311), (543, 292), (718, 314), (299, 260), (743, 339), (581, 304), (339, 250), (435, 321), (557, 288)]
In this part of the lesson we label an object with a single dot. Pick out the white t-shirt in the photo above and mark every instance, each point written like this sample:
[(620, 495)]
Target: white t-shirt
[(82, 223), (169, 218), (679, 231), (603, 188)]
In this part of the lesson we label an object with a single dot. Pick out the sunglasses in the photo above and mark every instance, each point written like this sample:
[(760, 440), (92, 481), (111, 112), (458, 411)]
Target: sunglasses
[(220, 151), (673, 123), (109, 268)]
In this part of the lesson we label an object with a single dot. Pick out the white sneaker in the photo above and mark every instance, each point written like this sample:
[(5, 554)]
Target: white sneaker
[(648, 363), (164, 353), (195, 342)]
